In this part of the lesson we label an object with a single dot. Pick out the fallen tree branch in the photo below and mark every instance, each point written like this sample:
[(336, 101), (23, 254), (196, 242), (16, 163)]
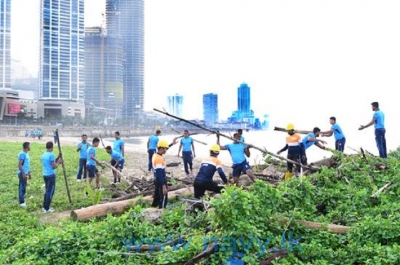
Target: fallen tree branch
[(274, 257), (202, 255), (119, 174), (146, 193), (280, 129), (387, 185)]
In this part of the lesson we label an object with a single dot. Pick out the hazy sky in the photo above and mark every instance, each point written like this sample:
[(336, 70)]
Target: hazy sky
[(304, 60)]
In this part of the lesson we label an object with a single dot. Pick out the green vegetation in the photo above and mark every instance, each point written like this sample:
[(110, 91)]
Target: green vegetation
[(250, 217)]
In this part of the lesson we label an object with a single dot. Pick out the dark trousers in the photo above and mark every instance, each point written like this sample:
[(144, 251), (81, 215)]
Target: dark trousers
[(151, 152), (50, 184), (21, 188), (187, 161), (381, 142), (339, 144), (159, 199), (55, 140), (82, 167), (296, 158), (200, 187)]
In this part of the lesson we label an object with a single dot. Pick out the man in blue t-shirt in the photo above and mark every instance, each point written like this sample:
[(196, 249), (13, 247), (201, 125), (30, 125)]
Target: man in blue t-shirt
[(240, 132), (310, 140), (335, 130), (187, 146), (378, 120), (238, 151), (119, 144), (82, 149), (24, 167), (117, 161), (49, 163), (152, 147), (92, 162)]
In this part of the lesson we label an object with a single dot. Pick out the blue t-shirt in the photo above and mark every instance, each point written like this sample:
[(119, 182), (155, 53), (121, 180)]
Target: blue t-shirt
[(153, 141), (187, 144), (83, 150), (237, 152), (118, 145), (47, 160), (91, 162), (114, 155), (305, 141), (241, 139), (26, 162), (379, 119), (337, 131)]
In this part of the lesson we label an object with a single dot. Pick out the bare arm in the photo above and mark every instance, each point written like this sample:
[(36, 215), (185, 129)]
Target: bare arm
[(123, 150), (180, 147), (55, 164), (21, 169), (194, 152), (320, 146), (315, 140), (247, 152), (148, 144), (369, 124), (220, 146), (97, 161), (327, 133)]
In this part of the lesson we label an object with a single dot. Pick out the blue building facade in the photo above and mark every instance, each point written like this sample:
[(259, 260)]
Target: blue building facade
[(125, 20), (175, 105), (210, 108), (243, 93), (5, 40), (62, 47)]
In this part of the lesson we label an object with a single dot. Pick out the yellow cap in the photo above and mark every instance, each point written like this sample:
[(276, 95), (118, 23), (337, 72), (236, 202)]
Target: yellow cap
[(290, 126), (215, 148), (163, 144)]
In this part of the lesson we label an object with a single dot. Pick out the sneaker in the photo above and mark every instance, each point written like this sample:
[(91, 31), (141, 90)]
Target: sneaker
[(78, 180), (23, 205), (100, 188), (50, 210)]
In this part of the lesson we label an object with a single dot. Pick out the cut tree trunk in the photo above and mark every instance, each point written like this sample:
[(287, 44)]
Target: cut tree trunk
[(327, 162), (280, 129), (116, 208), (336, 229)]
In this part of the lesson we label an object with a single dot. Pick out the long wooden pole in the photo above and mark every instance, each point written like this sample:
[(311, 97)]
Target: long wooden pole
[(189, 135), (279, 129), (263, 150), (63, 166)]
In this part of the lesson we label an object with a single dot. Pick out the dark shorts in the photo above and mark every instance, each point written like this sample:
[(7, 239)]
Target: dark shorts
[(92, 170), (238, 169), (120, 164)]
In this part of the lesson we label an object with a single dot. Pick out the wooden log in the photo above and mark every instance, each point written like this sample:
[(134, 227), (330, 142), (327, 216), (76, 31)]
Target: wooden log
[(280, 129), (336, 229), (387, 185), (274, 257), (147, 193), (327, 162), (116, 208), (205, 254)]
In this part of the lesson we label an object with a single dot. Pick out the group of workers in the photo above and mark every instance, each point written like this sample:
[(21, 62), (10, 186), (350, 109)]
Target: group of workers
[(297, 146)]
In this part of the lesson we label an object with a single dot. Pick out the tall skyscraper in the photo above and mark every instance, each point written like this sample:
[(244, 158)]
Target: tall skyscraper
[(175, 104), (62, 62), (210, 108), (5, 39), (244, 99), (103, 70), (125, 18)]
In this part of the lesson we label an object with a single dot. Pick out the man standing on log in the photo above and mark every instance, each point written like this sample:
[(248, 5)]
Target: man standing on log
[(91, 163), (295, 148), (238, 151), (378, 120), (117, 161), (119, 144), (151, 147), (160, 197), (24, 167), (309, 140), (188, 145), (340, 140), (49, 163), (82, 149), (204, 179)]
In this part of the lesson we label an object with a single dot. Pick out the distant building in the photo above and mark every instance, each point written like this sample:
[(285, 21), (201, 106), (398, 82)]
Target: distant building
[(18, 70), (62, 61), (175, 104), (243, 93), (210, 108), (5, 40), (103, 70), (125, 20)]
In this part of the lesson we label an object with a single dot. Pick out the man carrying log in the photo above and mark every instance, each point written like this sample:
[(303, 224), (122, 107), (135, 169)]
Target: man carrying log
[(340, 140), (295, 149), (309, 140), (204, 179), (238, 151), (151, 147), (117, 161)]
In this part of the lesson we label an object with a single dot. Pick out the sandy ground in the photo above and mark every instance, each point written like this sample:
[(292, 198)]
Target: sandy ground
[(136, 158)]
